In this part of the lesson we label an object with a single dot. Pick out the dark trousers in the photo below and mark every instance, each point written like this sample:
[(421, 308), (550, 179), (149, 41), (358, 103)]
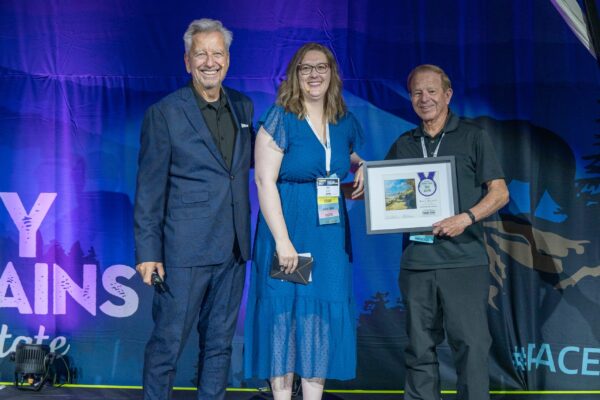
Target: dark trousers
[(212, 293), (454, 300)]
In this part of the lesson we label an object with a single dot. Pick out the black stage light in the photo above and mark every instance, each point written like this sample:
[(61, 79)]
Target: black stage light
[(32, 365)]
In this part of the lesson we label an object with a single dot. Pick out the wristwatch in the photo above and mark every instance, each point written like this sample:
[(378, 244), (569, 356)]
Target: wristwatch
[(471, 215)]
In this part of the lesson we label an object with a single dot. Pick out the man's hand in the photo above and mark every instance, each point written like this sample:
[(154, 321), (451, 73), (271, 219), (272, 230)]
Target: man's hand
[(496, 198), (452, 226), (146, 269)]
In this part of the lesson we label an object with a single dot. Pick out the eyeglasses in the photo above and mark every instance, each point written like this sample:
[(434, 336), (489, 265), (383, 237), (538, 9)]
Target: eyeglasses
[(307, 69)]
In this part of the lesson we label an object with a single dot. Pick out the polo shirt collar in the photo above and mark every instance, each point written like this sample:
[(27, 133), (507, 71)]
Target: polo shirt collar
[(451, 125)]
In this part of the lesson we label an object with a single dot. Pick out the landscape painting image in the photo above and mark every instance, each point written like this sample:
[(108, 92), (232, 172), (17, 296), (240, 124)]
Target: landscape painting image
[(400, 194)]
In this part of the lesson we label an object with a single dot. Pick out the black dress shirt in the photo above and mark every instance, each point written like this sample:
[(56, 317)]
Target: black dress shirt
[(219, 119)]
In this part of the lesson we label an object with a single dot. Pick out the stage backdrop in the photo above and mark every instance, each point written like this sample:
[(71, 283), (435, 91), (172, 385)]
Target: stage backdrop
[(76, 77)]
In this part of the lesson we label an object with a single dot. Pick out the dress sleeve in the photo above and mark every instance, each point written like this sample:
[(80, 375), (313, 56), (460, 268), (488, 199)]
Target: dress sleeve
[(357, 136), (273, 122)]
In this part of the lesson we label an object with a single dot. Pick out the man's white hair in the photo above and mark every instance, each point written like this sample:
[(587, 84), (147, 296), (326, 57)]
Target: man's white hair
[(206, 25)]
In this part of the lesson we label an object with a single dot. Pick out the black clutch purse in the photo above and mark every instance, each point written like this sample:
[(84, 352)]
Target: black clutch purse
[(300, 275)]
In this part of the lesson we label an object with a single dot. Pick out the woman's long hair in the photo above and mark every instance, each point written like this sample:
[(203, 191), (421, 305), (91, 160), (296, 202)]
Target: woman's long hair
[(289, 95)]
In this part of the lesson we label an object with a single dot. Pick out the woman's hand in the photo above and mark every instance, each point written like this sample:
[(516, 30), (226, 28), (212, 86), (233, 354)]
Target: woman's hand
[(359, 183), (288, 257), (359, 176)]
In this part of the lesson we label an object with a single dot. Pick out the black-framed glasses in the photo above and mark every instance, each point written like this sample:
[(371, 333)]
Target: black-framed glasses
[(306, 69)]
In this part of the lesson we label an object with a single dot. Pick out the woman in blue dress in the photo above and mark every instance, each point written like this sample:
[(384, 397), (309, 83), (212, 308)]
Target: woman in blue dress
[(291, 328)]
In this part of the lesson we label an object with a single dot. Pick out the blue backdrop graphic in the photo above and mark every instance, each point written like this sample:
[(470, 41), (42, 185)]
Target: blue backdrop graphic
[(76, 77)]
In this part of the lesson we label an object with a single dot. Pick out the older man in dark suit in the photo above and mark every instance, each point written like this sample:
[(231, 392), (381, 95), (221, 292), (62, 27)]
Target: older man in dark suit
[(192, 214)]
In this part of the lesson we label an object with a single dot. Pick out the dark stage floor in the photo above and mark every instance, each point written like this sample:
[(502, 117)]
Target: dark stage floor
[(85, 393)]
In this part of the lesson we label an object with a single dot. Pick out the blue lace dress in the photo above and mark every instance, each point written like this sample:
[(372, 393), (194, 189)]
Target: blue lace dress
[(309, 330)]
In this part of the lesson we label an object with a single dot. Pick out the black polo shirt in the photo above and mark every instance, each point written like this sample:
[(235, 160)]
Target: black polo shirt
[(476, 164), (219, 120)]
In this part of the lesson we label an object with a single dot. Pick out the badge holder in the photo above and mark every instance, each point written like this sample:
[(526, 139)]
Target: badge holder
[(328, 200)]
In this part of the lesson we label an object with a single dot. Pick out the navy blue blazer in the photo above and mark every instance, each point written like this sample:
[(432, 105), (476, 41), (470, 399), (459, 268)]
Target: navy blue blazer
[(189, 205)]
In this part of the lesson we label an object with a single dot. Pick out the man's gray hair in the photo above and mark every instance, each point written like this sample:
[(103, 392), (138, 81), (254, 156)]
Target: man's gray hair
[(206, 25), (446, 84)]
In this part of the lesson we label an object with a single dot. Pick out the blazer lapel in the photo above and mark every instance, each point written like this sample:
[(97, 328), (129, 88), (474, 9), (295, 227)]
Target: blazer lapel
[(194, 116), (239, 138)]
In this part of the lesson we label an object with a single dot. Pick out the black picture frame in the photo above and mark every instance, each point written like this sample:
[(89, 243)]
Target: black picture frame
[(409, 195)]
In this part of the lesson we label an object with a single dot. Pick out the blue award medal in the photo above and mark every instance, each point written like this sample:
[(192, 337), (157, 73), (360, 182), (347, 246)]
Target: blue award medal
[(427, 186)]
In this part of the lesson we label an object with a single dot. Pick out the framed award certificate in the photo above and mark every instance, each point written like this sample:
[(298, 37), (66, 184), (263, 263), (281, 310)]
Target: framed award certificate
[(409, 195)]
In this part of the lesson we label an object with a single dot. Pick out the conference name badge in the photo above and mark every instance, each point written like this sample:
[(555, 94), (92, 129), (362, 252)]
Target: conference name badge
[(328, 200), (421, 238)]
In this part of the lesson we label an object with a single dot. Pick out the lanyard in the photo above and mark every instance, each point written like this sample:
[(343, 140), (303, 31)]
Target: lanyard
[(326, 146), (435, 152)]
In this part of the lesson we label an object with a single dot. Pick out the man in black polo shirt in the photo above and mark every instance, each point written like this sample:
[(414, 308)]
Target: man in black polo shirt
[(444, 275)]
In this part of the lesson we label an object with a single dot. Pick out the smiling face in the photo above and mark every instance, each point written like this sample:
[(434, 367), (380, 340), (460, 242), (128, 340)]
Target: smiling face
[(314, 85), (429, 98), (207, 61)]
